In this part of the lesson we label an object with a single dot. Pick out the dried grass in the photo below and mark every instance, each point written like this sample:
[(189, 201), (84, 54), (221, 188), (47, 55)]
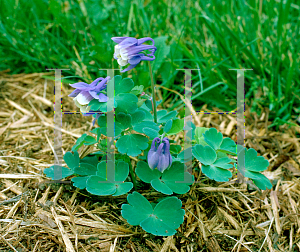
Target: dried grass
[(40, 216)]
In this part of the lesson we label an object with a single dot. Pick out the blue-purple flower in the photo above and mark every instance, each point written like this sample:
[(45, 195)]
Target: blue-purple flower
[(84, 93), (159, 154), (130, 51)]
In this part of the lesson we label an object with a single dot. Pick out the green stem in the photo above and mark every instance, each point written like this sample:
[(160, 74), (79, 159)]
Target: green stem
[(132, 175), (129, 20), (153, 93)]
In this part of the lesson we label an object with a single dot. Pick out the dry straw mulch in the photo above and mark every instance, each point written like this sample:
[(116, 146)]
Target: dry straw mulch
[(39, 216)]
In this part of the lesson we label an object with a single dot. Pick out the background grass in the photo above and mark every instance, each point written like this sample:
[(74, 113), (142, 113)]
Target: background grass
[(214, 36)]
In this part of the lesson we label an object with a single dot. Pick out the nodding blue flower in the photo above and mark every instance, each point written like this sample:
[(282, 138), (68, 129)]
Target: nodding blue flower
[(84, 93), (129, 51), (159, 154)]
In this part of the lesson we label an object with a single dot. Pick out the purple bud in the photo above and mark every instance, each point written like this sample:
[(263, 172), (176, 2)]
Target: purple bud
[(152, 156), (159, 156)]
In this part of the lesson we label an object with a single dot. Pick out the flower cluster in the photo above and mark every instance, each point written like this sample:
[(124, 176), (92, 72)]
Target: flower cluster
[(159, 155), (129, 51)]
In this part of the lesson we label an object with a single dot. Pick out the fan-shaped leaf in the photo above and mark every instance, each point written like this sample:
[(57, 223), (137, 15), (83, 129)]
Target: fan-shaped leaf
[(213, 138), (132, 144), (205, 154), (163, 220)]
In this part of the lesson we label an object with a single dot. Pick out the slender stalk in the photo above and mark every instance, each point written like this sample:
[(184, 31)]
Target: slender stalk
[(153, 93), (129, 20), (132, 175)]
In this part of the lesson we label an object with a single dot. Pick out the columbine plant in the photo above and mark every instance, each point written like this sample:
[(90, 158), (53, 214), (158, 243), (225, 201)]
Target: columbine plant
[(143, 132)]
